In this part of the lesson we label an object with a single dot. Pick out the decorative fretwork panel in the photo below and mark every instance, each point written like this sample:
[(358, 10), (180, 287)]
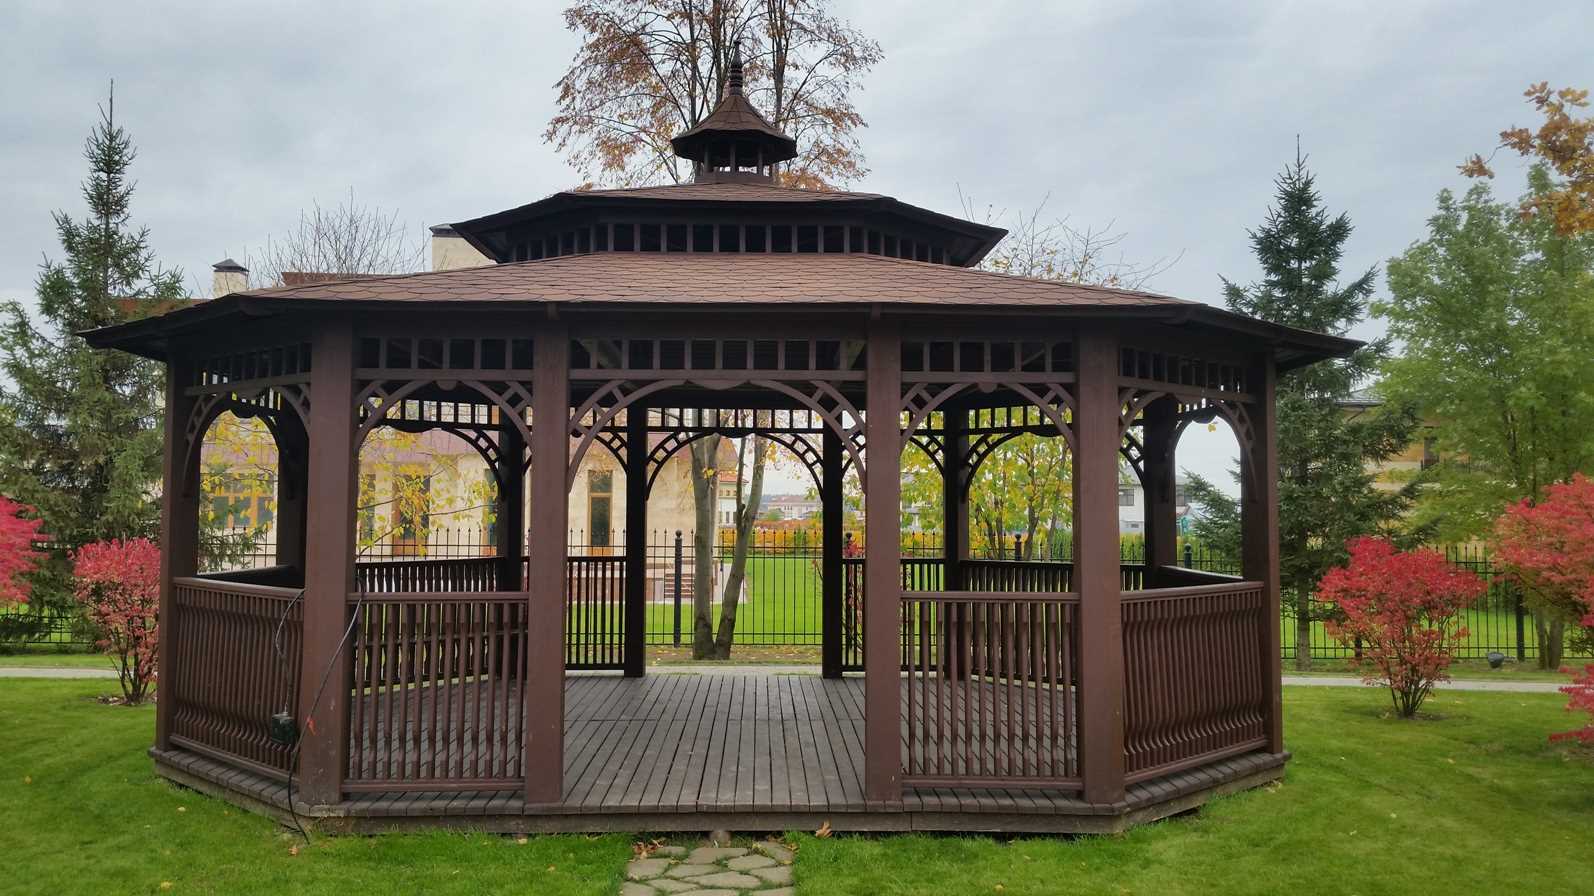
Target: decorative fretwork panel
[(1184, 375), (991, 358), (381, 356), (272, 363), (603, 358)]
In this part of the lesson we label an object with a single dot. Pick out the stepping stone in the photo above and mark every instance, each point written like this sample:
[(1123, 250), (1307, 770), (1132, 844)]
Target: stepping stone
[(690, 871), (632, 888), (670, 885), (734, 879), (710, 893), (674, 852), (708, 855), (642, 869), (775, 851), (780, 874), (783, 891), (746, 863)]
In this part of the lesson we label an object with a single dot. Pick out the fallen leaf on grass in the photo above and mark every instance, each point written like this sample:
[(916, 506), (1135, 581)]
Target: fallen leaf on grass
[(824, 830)]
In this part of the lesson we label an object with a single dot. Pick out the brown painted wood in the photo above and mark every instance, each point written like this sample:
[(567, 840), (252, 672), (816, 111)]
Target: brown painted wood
[(293, 490), (329, 564), (544, 691), (1259, 530), (636, 546), (179, 528), (832, 541), (954, 499), (511, 506), (882, 570), (1096, 571), (1162, 521)]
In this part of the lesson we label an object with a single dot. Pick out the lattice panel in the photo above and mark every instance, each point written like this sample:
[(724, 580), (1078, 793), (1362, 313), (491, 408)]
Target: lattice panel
[(1181, 370), (605, 357)]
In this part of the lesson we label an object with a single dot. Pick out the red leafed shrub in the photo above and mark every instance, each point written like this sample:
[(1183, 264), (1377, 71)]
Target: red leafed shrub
[(18, 556), (1405, 607), (1549, 547), (118, 584)]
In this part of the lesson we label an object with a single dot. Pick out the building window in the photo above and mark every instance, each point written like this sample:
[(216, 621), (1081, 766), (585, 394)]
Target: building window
[(600, 505), (1126, 497)]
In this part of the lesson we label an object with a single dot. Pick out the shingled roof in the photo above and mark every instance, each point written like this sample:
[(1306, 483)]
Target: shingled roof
[(672, 278)]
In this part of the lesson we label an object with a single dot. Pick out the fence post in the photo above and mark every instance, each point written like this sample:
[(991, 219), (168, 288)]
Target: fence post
[(1522, 647), (1189, 556), (678, 556)]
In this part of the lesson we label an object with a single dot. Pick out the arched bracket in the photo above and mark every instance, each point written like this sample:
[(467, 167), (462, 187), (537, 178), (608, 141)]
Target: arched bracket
[(673, 442), (267, 405), (376, 403)]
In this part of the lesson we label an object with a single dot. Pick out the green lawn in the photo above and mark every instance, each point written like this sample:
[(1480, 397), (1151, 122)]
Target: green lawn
[(88, 816), (1473, 801), (43, 657)]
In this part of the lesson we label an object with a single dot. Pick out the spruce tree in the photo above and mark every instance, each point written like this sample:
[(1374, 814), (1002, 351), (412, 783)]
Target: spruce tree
[(1326, 490), (80, 430)]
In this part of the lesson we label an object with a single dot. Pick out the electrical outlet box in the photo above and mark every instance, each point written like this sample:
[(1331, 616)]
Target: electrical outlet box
[(282, 729)]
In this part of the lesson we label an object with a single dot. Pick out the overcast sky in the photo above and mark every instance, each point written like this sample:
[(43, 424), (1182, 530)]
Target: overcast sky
[(1166, 120)]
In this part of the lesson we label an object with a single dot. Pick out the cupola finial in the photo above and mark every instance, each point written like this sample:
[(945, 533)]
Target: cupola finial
[(733, 78)]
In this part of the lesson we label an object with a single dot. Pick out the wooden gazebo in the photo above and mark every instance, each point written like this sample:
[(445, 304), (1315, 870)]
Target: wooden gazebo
[(972, 694)]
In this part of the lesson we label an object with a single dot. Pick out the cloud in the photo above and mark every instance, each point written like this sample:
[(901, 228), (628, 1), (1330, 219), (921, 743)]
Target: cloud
[(1168, 120)]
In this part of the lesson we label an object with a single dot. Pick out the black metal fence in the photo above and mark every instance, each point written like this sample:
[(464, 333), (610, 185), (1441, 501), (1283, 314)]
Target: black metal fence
[(778, 603)]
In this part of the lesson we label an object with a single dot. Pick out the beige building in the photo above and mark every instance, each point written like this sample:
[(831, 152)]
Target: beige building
[(432, 494)]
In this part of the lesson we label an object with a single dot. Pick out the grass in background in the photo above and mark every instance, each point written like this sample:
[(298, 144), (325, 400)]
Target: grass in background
[(89, 816), (1473, 801)]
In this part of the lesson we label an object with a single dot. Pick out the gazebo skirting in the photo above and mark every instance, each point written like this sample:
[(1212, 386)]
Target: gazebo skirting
[(435, 670)]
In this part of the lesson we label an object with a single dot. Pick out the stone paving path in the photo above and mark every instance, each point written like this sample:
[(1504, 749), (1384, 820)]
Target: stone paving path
[(762, 869)]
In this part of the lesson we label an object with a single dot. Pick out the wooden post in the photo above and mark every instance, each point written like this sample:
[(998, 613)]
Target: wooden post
[(511, 504), (329, 566), (293, 488), (833, 519), (1096, 576), (636, 541), (545, 667), (954, 500), (1162, 515), (179, 529), (1259, 533), (882, 610)]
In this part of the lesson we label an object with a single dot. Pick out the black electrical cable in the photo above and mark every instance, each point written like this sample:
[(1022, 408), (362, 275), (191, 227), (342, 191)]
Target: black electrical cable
[(326, 675)]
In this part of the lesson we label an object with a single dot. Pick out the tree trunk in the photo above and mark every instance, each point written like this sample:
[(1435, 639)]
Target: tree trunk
[(1552, 639), (705, 489), (1303, 628), (746, 514)]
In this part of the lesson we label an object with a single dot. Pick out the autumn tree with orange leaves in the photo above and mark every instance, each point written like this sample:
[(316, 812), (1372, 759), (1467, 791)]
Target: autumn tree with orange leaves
[(1563, 142), (649, 69)]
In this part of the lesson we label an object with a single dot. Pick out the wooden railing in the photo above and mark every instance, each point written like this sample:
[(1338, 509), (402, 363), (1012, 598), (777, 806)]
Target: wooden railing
[(595, 612), (1018, 575), (988, 697), (275, 576), (595, 595), (439, 684), (1194, 669), (455, 574), (234, 662)]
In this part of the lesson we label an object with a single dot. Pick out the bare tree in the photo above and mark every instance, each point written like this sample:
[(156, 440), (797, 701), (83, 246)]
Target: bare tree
[(1048, 248), (646, 71), (347, 240)]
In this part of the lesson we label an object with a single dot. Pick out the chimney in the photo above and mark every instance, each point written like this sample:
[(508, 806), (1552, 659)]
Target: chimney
[(450, 251), (228, 276)]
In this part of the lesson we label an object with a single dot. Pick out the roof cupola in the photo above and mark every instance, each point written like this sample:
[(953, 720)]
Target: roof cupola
[(735, 143)]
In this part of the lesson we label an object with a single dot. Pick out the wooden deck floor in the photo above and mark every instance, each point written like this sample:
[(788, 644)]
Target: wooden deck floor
[(737, 750)]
